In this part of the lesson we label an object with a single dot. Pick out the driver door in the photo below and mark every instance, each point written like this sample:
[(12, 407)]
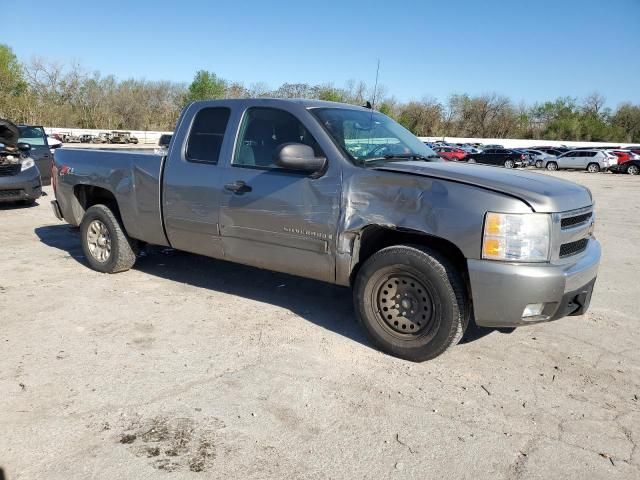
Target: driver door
[(274, 218)]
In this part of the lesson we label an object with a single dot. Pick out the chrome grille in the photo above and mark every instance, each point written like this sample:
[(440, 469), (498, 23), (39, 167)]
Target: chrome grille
[(568, 249), (571, 233), (568, 222)]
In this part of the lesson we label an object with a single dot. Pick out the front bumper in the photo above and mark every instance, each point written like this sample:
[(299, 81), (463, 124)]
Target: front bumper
[(501, 291), (24, 186)]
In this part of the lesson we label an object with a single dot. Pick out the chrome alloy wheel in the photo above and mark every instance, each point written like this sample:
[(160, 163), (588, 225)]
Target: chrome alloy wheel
[(99, 241)]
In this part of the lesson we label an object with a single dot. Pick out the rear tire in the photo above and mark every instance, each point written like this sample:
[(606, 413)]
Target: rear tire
[(412, 302), (633, 170), (471, 160), (509, 164), (593, 168), (105, 244), (539, 164), (552, 166)]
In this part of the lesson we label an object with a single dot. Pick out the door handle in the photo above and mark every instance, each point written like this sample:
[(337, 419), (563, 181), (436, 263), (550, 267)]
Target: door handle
[(237, 187)]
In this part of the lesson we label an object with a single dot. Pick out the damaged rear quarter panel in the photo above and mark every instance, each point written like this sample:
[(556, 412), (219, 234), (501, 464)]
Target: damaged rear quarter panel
[(449, 210)]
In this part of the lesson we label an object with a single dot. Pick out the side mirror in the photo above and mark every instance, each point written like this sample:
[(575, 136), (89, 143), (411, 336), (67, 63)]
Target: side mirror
[(298, 156), (24, 147), (164, 141)]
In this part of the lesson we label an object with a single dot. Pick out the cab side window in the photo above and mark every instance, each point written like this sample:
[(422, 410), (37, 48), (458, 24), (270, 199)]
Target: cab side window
[(262, 131), (206, 135)]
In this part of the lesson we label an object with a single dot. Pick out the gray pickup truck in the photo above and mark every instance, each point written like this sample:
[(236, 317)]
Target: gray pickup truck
[(344, 195)]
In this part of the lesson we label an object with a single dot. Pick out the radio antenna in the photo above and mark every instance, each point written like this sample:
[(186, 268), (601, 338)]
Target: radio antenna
[(375, 88)]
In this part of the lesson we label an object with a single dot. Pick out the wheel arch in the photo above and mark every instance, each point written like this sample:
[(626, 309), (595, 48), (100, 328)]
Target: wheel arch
[(87, 196), (374, 238)]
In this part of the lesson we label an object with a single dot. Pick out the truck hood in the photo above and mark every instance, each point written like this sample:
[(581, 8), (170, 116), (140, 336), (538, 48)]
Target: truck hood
[(542, 192)]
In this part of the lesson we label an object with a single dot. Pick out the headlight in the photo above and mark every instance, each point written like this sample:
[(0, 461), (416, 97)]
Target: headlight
[(27, 163), (516, 237)]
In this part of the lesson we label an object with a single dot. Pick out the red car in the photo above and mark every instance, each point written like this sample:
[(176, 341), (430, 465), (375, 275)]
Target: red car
[(625, 155), (451, 153)]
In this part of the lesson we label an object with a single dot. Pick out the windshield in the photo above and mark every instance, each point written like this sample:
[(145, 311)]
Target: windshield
[(34, 136), (370, 137)]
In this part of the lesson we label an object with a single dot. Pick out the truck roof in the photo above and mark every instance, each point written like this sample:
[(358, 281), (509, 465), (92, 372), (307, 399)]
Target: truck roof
[(274, 102)]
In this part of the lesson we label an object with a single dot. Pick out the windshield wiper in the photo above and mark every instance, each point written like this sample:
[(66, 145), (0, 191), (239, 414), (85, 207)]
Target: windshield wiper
[(400, 156)]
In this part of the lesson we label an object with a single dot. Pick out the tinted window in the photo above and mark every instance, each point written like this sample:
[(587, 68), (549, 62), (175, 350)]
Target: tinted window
[(263, 130), (589, 154), (207, 133), (491, 150)]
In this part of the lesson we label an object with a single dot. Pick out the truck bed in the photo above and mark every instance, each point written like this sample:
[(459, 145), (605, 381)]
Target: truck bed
[(133, 177)]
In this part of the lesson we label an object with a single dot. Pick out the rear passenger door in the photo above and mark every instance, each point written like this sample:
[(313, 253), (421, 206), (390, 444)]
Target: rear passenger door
[(274, 218), (193, 181)]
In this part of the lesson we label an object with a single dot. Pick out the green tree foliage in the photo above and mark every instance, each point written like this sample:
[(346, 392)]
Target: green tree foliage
[(11, 77), (48, 93), (206, 86)]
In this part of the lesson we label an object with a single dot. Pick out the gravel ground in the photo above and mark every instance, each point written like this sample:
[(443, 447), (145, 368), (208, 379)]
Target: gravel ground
[(187, 367)]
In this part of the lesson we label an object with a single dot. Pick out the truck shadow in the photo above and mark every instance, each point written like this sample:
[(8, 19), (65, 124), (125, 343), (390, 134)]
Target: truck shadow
[(328, 306)]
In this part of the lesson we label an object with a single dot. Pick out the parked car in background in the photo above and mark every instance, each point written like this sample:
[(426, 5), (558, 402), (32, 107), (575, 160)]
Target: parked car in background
[(88, 138), (40, 150), (527, 161), (591, 160), (555, 151), (53, 142), (470, 148), (499, 156), (122, 137), (624, 155), (103, 137), (632, 167), (19, 175), (452, 154), (539, 157), (492, 146), (551, 151)]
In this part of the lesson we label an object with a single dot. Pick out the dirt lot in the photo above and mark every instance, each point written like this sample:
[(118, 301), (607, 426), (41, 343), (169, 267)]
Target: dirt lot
[(186, 367)]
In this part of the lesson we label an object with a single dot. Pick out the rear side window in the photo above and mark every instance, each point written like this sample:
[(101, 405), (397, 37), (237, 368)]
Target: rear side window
[(589, 154), (207, 133)]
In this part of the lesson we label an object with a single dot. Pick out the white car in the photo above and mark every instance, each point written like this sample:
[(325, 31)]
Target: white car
[(590, 160)]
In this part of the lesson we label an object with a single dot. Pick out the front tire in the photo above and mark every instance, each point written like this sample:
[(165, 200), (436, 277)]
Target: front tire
[(411, 301), (105, 244)]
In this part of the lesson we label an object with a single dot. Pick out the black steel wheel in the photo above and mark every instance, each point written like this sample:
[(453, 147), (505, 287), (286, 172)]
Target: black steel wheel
[(411, 301)]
